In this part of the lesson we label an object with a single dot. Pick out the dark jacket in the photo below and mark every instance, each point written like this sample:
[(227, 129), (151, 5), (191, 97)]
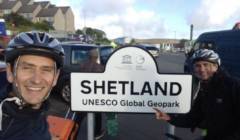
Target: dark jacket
[(218, 102), (25, 123)]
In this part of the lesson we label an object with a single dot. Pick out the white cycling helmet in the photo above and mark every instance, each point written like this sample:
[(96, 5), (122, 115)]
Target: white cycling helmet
[(206, 55)]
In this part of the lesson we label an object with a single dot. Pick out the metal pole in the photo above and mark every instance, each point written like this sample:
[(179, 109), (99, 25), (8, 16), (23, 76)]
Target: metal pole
[(65, 27), (90, 122), (175, 35), (171, 130), (191, 32), (85, 18)]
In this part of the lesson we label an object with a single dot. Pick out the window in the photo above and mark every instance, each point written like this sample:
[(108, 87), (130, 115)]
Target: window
[(48, 18), (80, 56), (207, 45), (194, 48), (6, 11), (27, 15), (104, 55), (39, 19)]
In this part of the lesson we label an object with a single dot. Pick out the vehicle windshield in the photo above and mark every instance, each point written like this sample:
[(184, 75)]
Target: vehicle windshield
[(80, 55), (151, 48)]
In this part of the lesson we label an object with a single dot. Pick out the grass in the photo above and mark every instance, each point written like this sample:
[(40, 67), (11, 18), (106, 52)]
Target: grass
[(20, 28)]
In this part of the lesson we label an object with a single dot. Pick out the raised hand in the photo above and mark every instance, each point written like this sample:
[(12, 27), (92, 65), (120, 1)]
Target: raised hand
[(161, 115)]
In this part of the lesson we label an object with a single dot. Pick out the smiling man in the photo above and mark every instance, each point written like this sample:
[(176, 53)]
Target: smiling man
[(33, 63), (217, 102)]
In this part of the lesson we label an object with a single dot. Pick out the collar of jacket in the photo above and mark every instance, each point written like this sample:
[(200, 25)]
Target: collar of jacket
[(11, 109)]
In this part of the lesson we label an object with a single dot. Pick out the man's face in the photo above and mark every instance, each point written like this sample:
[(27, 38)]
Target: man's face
[(205, 69), (35, 77)]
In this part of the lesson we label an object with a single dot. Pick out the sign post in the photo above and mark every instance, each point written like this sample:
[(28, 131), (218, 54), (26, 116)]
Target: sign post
[(131, 83)]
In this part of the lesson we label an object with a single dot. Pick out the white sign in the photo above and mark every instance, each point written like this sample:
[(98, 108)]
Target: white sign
[(131, 83), (58, 33)]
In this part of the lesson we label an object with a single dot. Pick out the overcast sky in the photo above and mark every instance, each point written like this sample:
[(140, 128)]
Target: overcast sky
[(146, 19)]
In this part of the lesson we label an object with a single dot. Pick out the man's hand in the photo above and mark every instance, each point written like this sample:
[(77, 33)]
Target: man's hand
[(161, 115), (54, 136)]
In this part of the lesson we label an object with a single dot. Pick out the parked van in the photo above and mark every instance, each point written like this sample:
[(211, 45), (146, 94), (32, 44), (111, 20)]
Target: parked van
[(225, 43)]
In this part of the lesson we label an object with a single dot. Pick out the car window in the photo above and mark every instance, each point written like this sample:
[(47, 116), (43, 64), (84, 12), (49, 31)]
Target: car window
[(1, 47), (79, 55), (207, 45), (104, 55), (151, 48)]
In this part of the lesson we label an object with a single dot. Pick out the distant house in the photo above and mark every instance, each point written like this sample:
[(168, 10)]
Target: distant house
[(61, 18), (52, 15), (7, 7), (29, 11), (101, 32), (68, 18)]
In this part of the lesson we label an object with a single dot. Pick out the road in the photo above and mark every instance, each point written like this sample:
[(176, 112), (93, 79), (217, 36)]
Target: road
[(136, 126)]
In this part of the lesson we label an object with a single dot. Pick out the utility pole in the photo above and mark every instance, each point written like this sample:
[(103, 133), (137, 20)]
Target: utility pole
[(175, 35), (85, 20), (65, 27)]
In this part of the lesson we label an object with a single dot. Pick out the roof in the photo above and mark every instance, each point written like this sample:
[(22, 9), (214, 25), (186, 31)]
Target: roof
[(8, 4), (50, 12), (42, 3), (64, 9), (51, 6), (99, 31), (24, 2), (27, 9)]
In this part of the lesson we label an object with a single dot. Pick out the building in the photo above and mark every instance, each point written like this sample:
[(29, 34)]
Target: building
[(123, 40), (39, 11)]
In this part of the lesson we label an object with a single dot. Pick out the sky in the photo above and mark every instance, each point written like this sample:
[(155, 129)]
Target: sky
[(150, 19)]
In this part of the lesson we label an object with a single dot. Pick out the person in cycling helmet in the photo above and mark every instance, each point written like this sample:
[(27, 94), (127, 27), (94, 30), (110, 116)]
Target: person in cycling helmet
[(33, 63), (217, 101)]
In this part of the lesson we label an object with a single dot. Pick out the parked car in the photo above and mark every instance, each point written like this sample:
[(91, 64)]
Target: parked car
[(5, 38), (87, 39), (81, 38), (76, 55), (70, 39), (2, 53), (151, 48), (3, 81)]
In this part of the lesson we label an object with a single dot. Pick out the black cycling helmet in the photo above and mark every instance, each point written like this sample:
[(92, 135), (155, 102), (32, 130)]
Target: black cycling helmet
[(36, 43), (206, 55)]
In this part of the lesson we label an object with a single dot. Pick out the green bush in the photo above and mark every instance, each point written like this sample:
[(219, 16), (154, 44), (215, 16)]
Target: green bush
[(43, 25), (106, 40)]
